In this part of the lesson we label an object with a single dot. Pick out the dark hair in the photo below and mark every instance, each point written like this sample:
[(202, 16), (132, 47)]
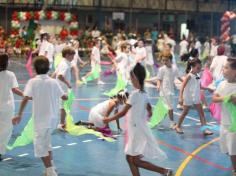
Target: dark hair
[(41, 65), (140, 73), (122, 95), (3, 61), (232, 62), (192, 63), (193, 53)]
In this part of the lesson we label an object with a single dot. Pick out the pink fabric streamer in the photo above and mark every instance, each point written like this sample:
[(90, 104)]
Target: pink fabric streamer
[(105, 63), (206, 78), (108, 72), (106, 132), (29, 64), (215, 110), (202, 96)]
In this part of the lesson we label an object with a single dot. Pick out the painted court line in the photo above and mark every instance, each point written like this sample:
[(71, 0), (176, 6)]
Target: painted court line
[(72, 144), (189, 158), (56, 147), (24, 154), (87, 140), (7, 159)]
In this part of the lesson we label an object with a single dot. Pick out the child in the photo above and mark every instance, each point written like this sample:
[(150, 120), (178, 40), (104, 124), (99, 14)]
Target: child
[(63, 74), (45, 93), (141, 142), (104, 109), (8, 86), (74, 62), (190, 94), (95, 61), (227, 87), (165, 83)]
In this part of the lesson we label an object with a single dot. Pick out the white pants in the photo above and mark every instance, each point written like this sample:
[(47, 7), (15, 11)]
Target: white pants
[(5, 129)]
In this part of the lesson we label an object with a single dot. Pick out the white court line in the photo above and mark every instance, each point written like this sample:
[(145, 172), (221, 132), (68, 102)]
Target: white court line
[(187, 125), (56, 147), (24, 154), (87, 140), (191, 118), (72, 144), (7, 159)]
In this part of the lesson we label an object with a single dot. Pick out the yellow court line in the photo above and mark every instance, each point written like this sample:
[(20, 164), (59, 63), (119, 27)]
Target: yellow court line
[(189, 158)]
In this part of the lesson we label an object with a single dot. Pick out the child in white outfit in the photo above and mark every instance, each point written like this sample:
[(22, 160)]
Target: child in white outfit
[(63, 75), (141, 141), (226, 88), (190, 95), (45, 93), (8, 86), (165, 83)]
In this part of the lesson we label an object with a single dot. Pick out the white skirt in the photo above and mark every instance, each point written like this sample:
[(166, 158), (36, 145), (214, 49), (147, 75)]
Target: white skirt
[(96, 119), (227, 140)]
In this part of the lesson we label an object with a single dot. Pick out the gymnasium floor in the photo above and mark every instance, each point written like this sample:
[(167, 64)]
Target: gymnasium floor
[(190, 154)]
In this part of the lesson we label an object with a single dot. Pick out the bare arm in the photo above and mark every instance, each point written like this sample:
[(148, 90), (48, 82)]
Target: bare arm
[(118, 115), (159, 85), (16, 120), (62, 79), (217, 98), (149, 109), (17, 91)]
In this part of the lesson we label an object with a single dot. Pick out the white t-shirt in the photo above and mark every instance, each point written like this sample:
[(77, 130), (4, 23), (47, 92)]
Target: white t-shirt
[(43, 48), (213, 50), (225, 88), (149, 59), (183, 47), (7, 82), (122, 60), (96, 58), (76, 58), (217, 65), (46, 93), (50, 51), (140, 53), (64, 69), (167, 76)]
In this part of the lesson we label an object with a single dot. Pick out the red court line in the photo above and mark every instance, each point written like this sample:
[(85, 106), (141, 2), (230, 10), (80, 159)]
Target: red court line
[(178, 149)]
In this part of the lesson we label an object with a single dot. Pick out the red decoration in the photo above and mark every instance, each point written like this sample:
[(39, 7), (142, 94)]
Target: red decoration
[(225, 29), (28, 15), (49, 15), (15, 16), (74, 32), (62, 16), (74, 18), (64, 34), (36, 15)]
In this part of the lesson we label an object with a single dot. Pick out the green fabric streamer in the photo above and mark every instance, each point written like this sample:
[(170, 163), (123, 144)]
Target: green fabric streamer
[(26, 136), (74, 129), (232, 109), (159, 113), (94, 75), (57, 60), (120, 85), (147, 74)]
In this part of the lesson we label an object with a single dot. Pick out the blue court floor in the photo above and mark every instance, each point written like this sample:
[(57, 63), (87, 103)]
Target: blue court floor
[(190, 154)]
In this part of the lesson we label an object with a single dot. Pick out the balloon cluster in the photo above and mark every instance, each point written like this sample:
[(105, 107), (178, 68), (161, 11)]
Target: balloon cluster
[(225, 29), (71, 19)]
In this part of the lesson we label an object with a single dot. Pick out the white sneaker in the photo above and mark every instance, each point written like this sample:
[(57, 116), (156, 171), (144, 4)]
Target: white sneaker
[(61, 127), (50, 171), (172, 125), (101, 82), (179, 106), (84, 80), (204, 107)]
